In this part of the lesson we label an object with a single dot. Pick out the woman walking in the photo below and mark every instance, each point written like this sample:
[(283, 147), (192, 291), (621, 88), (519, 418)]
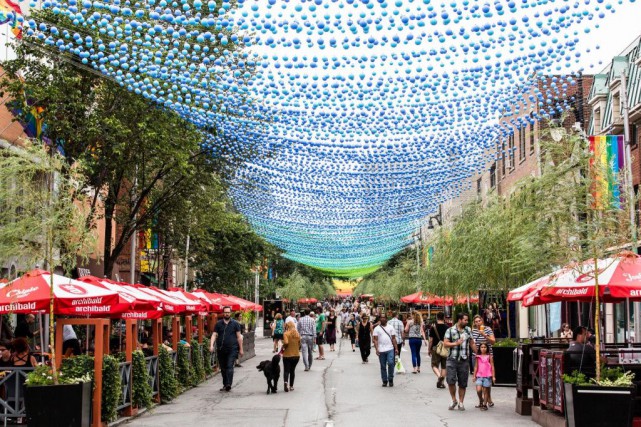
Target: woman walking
[(291, 355), (330, 330), (350, 327), (416, 334), (365, 338), (278, 328)]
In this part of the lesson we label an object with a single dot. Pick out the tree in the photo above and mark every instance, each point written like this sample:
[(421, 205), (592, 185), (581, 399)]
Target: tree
[(43, 212), (140, 157)]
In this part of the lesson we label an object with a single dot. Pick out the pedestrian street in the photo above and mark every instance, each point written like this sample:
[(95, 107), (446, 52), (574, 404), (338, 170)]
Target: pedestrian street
[(337, 391)]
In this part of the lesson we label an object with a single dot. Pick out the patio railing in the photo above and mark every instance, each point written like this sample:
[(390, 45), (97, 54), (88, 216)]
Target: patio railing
[(125, 378), (12, 392), (152, 371)]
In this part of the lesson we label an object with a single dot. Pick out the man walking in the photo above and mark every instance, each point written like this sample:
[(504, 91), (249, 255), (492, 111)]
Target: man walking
[(229, 345), (395, 323), (386, 348), (292, 317), (320, 333), (437, 332), (458, 339), (307, 331)]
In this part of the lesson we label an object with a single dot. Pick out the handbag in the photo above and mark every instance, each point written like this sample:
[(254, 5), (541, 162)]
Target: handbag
[(441, 350)]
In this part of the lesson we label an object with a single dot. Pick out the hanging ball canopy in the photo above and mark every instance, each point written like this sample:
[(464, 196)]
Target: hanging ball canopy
[(362, 115)]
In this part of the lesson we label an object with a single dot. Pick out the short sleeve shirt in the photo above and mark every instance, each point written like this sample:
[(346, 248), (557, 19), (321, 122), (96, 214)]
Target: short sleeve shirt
[(226, 338), (319, 323), (480, 337), (385, 339), (460, 351)]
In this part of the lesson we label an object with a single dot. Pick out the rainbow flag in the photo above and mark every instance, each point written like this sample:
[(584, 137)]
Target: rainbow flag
[(606, 163), (9, 13)]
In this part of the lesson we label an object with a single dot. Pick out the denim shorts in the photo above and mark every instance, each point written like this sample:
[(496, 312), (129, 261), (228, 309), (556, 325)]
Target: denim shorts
[(484, 381)]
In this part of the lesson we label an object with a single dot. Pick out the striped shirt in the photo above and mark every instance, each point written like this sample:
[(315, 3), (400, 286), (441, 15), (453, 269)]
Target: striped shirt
[(480, 337), (306, 326)]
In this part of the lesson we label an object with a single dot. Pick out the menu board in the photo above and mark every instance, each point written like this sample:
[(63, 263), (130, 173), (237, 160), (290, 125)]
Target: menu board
[(543, 377), (558, 381), (550, 371)]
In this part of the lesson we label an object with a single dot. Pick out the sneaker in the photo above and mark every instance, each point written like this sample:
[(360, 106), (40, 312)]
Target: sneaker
[(228, 388), (453, 405), (223, 389), (391, 383), (461, 407), (286, 388), (483, 407), (385, 384)]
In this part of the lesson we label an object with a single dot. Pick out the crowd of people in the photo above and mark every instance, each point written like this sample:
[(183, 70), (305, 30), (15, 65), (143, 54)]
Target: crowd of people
[(456, 351)]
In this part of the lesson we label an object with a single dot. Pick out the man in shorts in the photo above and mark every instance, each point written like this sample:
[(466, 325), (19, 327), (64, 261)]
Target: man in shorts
[(459, 340), (320, 333), (437, 332)]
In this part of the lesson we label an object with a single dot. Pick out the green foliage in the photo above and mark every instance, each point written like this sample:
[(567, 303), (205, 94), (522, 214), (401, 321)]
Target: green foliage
[(43, 375), (507, 342), (207, 357), (142, 395), (198, 368), (576, 378), (167, 376), (394, 280), (184, 372), (111, 388), (78, 366)]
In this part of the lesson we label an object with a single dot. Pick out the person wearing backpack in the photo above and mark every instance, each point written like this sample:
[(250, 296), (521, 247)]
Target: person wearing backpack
[(459, 340), (278, 329), (436, 350)]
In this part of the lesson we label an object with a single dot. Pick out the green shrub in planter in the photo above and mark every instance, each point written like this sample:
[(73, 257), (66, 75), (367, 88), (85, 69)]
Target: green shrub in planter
[(197, 363), (111, 388), (207, 358), (142, 395), (78, 366), (167, 377), (183, 366)]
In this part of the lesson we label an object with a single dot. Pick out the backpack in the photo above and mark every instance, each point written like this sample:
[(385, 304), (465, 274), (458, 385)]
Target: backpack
[(440, 349)]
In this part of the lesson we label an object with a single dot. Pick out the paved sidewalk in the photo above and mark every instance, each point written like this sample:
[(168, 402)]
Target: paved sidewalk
[(338, 391)]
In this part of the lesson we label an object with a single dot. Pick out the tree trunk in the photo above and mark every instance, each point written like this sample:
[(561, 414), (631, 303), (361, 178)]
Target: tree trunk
[(109, 260)]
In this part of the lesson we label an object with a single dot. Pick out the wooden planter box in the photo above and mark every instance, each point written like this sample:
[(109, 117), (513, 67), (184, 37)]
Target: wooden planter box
[(67, 405), (597, 406)]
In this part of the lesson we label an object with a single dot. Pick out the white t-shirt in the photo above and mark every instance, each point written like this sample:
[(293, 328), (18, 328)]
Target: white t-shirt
[(291, 319), (384, 341), (68, 333)]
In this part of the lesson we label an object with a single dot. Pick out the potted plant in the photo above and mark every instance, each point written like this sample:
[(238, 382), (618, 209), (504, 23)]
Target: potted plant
[(67, 403), (584, 398), (503, 353)]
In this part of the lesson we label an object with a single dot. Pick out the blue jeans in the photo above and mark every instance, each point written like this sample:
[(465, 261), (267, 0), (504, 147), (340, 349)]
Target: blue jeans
[(226, 359), (387, 365), (415, 347)]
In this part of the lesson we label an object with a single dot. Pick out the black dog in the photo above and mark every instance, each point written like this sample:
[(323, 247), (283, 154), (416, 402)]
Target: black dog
[(271, 369)]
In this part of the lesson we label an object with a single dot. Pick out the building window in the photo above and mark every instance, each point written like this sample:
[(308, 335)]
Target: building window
[(522, 143), (493, 176), (511, 150), (616, 107), (597, 121), (479, 186), (634, 135)]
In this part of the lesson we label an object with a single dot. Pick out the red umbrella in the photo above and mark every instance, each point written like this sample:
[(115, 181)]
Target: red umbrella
[(244, 304), (214, 307), (463, 299), (145, 306), (619, 279), (193, 304), (31, 292), (169, 303), (425, 298), (307, 301), (220, 299)]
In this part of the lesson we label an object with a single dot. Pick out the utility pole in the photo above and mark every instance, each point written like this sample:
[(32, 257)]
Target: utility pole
[(256, 290), (631, 200)]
